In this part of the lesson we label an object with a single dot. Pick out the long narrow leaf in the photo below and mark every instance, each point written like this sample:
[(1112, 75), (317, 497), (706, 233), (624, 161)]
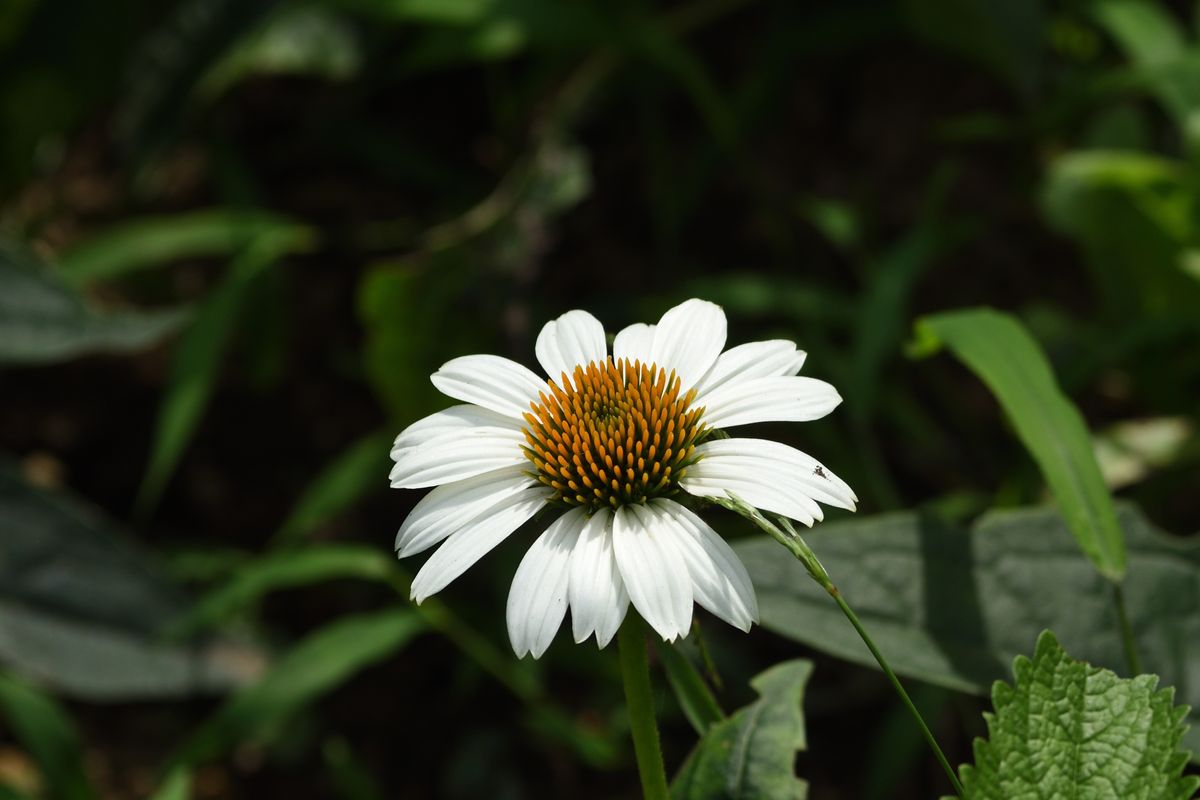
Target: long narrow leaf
[(197, 361), (696, 701), (998, 349), (284, 570), (311, 669), (45, 730)]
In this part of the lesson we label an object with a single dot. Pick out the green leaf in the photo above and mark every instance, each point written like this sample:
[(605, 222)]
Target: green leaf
[(953, 607), (42, 320), (154, 241), (1132, 215), (294, 40), (197, 361), (998, 349), (349, 477), (176, 786), (81, 607), (695, 699), (752, 755), (317, 665), (1068, 729), (282, 570), (43, 728), (1155, 43)]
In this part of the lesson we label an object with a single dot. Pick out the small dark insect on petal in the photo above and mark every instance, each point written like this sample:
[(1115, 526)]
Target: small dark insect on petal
[(820, 472)]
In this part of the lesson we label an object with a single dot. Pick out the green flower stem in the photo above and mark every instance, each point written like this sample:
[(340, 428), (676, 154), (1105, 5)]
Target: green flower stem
[(1131, 656), (635, 672), (791, 539)]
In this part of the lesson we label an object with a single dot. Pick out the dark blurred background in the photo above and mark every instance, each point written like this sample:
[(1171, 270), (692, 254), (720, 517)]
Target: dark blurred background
[(237, 236)]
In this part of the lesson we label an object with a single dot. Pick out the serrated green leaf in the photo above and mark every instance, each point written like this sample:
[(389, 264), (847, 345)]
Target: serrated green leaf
[(42, 320), (752, 755), (81, 607), (45, 730), (998, 349), (283, 570), (1067, 729), (351, 475), (954, 607), (317, 665)]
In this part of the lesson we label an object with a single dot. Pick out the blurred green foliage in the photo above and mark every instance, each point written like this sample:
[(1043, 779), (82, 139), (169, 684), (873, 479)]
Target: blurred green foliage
[(236, 236)]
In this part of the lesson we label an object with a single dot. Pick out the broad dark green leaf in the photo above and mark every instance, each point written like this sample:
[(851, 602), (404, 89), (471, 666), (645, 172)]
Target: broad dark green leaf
[(43, 728), (81, 607), (999, 350), (42, 320), (317, 665), (349, 477), (692, 693), (1067, 729), (752, 755), (283, 570), (154, 241), (954, 607)]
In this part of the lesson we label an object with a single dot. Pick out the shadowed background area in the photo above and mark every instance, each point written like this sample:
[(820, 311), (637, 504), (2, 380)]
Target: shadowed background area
[(237, 236)]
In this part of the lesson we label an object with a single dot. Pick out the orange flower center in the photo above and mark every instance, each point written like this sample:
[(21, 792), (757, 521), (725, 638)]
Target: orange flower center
[(614, 434)]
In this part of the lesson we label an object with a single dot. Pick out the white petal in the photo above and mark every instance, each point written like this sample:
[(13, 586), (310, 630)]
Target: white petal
[(598, 597), (782, 398), (654, 572), (493, 382), (449, 423), (688, 340), (767, 475), (720, 582), (456, 454), (468, 545), (634, 343), (749, 361), (574, 339), (450, 507), (537, 601)]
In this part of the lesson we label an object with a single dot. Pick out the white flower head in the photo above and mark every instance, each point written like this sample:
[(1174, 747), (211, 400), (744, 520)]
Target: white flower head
[(614, 441)]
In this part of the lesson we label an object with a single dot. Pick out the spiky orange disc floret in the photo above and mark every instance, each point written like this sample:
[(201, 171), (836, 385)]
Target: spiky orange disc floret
[(618, 433)]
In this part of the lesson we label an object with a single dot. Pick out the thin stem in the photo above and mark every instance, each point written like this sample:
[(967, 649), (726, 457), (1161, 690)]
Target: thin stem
[(635, 672), (786, 534), (887, 670), (1131, 656)]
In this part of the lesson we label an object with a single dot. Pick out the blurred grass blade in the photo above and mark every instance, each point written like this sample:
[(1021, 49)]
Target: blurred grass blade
[(697, 702), (357, 470), (1145, 31), (172, 59), (176, 786), (154, 241), (42, 320), (284, 570), (197, 362), (317, 665), (44, 729), (998, 349)]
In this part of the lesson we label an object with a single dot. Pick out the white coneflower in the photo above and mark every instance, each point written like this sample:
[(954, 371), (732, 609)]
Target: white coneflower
[(613, 441)]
